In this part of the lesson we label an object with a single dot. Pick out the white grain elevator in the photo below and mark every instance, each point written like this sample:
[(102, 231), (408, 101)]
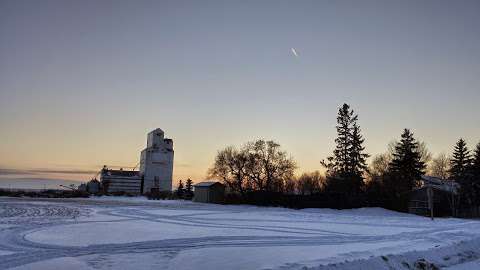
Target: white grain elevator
[(156, 162)]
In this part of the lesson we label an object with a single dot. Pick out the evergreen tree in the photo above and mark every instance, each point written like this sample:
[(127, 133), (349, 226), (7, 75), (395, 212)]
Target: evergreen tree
[(467, 169), (476, 163), (475, 168), (406, 166), (189, 187), (180, 189), (342, 150), (476, 175), (358, 159), (460, 161), (345, 168)]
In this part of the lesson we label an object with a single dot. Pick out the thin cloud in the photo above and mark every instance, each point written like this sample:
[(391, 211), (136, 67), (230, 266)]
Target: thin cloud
[(4, 171), (7, 171)]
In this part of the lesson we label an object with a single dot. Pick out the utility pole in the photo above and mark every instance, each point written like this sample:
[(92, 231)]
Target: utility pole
[(452, 190), (430, 200)]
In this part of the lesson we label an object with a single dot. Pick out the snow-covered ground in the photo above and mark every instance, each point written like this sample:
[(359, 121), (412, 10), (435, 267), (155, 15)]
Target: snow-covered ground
[(134, 233)]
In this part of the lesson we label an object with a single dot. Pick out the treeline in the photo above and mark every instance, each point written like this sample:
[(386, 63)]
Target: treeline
[(260, 172), (49, 193), (185, 192), (392, 175), (257, 166)]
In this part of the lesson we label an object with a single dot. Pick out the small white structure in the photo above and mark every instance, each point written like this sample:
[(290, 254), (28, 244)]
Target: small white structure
[(156, 162)]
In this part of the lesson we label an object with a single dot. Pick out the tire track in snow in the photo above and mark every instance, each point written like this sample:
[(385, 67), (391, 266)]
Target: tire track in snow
[(28, 218)]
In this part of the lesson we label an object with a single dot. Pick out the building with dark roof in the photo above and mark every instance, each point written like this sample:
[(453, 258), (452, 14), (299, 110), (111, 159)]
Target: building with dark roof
[(115, 181), (434, 196), (209, 192)]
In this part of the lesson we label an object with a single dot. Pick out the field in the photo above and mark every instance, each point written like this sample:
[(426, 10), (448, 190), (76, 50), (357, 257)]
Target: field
[(134, 233)]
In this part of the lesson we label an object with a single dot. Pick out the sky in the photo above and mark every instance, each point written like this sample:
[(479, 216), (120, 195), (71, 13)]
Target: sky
[(83, 82)]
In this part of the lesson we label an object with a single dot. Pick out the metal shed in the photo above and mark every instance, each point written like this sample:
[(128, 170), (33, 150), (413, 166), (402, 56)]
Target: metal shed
[(121, 181), (435, 197), (209, 192)]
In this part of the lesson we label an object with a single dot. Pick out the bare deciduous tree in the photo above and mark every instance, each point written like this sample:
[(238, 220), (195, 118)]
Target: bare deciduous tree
[(440, 166), (379, 166), (310, 183), (290, 186), (230, 166), (425, 154), (269, 167), (258, 165)]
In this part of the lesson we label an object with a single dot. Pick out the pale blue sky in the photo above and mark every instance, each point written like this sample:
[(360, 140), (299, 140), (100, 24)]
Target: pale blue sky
[(82, 82)]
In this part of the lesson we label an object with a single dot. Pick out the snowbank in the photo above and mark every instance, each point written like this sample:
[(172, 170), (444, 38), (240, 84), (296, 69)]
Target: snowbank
[(135, 233)]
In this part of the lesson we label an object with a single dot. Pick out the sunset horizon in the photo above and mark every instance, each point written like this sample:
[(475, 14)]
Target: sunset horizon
[(84, 93), (239, 135)]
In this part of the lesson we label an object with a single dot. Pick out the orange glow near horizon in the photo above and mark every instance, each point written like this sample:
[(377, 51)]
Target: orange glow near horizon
[(81, 84)]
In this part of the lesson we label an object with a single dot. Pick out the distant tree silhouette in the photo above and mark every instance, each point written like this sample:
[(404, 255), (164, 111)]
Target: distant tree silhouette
[(377, 178), (379, 167), (357, 157), (460, 161), (189, 188), (440, 166), (341, 153), (476, 162), (180, 189), (425, 155), (346, 167), (189, 185), (257, 165), (461, 164), (269, 168), (406, 166), (230, 167), (475, 172), (310, 183), (289, 186)]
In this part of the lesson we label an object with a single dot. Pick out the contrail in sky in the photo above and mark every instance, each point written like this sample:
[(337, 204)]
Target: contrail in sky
[(294, 52)]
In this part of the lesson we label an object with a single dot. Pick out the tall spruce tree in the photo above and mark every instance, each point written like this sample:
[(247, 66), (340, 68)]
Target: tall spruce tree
[(358, 158), (189, 188), (342, 150), (475, 174), (460, 161), (345, 168), (189, 185), (406, 165), (476, 163)]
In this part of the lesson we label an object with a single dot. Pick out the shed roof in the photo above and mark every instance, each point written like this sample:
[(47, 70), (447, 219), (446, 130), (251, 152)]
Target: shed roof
[(207, 184), (440, 184), (121, 173)]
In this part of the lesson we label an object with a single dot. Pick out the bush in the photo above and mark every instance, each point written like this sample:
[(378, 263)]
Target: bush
[(319, 200), (45, 193)]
